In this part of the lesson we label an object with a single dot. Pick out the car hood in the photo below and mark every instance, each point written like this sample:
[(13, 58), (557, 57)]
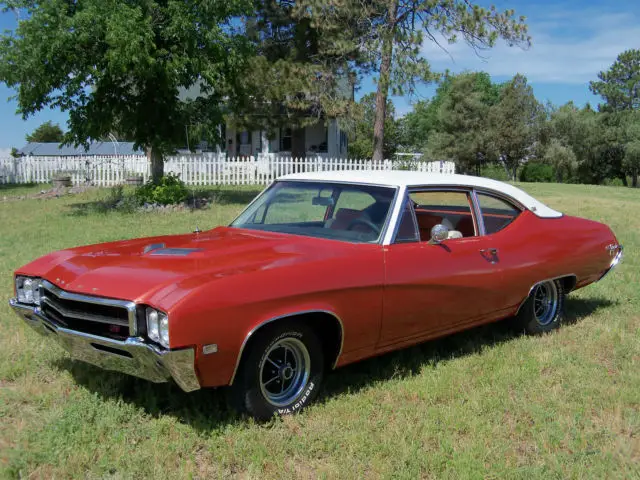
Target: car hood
[(139, 269)]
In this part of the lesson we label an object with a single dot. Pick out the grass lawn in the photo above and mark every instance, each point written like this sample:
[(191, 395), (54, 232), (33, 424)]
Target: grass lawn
[(481, 404)]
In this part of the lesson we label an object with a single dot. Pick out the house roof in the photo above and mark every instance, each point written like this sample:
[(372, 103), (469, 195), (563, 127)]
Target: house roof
[(407, 179), (53, 149)]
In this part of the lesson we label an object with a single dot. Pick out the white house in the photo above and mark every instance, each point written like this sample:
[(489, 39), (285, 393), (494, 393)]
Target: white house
[(325, 139)]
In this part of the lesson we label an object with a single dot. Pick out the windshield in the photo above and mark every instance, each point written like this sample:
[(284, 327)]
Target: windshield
[(354, 213)]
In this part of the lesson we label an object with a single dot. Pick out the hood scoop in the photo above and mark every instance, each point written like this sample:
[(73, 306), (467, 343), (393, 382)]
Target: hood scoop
[(173, 252), (153, 246)]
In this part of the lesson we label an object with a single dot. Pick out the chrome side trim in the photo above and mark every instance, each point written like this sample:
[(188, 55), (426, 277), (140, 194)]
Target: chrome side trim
[(480, 229), (131, 356), (616, 260), (542, 281), (130, 306), (281, 317)]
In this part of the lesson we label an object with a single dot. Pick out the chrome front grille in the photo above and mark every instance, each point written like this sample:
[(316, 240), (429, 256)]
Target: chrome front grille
[(83, 313)]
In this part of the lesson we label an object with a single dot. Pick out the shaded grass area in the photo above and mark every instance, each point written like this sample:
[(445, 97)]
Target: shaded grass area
[(482, 403)]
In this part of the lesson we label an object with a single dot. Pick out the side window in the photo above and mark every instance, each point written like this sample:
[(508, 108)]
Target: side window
[(496, 213), (407, 230), (449, 208)]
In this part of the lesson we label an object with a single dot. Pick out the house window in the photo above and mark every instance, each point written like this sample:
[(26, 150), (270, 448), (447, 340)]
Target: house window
[(285, 139), (243, 143)]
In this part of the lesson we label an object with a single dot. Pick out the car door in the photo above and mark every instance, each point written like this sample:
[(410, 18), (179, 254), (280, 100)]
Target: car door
[(431, 288)]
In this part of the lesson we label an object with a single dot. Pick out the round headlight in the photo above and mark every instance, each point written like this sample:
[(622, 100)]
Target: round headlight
[(152, 325)]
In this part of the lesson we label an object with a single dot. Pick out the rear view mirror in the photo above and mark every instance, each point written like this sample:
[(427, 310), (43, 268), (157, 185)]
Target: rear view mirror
[(439, 233), (322, 201)]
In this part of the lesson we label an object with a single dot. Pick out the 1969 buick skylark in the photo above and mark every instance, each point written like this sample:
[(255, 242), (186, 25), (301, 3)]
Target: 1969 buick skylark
[(320, 270)]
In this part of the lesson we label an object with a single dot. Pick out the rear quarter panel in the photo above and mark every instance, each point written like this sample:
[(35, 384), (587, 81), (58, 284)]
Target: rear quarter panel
[(533, 249)]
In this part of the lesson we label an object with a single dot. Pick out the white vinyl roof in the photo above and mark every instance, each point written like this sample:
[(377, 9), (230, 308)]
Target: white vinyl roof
[(408, 179)]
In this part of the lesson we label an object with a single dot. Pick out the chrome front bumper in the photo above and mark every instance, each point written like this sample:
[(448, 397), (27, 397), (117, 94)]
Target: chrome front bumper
[(616, 251), (132, 356)]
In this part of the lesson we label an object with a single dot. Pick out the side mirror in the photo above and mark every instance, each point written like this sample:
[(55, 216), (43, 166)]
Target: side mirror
[(439, 233)]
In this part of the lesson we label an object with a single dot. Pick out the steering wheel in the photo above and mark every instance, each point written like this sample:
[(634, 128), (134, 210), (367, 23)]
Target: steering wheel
[(366, 223)]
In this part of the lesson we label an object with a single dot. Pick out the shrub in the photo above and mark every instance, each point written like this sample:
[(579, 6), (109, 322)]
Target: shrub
[(494, 171), (536, 172), (170, 190)]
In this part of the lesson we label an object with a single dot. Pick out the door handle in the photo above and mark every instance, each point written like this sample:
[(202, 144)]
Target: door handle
[(490, 254)]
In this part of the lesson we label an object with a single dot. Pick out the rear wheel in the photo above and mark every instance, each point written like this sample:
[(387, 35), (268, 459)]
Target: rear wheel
[(543, 310), (281, 373)]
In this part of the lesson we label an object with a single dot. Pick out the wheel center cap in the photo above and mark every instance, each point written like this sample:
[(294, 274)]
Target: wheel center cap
[(287, 372)]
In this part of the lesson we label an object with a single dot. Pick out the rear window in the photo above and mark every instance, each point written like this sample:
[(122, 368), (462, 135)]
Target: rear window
[(497, 213)]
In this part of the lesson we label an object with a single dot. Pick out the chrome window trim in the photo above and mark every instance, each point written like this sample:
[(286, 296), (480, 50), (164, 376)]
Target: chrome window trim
[(281, 317), (110, 302), (478, 213), (438, 188)]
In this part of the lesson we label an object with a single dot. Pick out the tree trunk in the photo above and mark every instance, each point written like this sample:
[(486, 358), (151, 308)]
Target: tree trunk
[(298, 147), (515, 173), (384, 82), (623, 177), (157, 164), (634, 179)]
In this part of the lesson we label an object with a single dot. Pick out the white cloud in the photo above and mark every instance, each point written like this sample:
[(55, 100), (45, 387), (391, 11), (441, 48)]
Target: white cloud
[(568, 48)]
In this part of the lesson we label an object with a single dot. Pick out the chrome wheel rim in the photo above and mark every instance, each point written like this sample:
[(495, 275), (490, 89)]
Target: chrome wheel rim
[(545, 303), (284, 371)]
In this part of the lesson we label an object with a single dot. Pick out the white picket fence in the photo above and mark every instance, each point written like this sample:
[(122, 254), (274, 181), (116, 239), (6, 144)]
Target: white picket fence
[(195, 169)]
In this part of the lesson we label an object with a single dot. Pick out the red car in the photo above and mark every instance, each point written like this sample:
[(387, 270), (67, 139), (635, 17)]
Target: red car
[(321, 270)]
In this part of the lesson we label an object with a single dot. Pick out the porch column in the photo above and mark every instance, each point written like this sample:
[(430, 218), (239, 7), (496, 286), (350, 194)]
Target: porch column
[(333, 139)]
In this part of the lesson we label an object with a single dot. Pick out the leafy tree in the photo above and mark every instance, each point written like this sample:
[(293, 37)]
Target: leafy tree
[(514, 122), (631, 161), (302, 70), (47, 132), (462, 121), (362, 144), (121, 65), (399, 28), (562, 158), (620, 85)]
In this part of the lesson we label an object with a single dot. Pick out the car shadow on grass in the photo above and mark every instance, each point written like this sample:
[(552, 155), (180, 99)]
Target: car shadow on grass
[(207, 409)]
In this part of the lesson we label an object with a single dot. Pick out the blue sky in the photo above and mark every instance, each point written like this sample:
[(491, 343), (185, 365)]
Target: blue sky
[(572, 41)]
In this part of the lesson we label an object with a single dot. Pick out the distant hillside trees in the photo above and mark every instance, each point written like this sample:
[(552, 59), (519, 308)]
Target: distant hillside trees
[(477, 123)]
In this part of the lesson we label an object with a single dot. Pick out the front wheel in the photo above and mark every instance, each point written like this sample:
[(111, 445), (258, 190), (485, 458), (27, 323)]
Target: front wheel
[(543, 310), (281, 373)]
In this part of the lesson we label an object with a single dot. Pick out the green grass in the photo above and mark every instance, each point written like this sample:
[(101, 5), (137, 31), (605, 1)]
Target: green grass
[(481, 404)]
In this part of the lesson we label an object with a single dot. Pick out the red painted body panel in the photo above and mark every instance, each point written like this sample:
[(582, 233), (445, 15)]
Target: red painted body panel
[(386, 296)]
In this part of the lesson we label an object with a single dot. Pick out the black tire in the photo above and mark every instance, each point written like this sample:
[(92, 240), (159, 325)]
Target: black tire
[(248, 395), (543, 310)]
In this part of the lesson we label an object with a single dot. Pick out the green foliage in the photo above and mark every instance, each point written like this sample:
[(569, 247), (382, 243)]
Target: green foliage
[(47, 132), (168, 191), (361, 145), (536, 172), (514, 122), (494, 171), (561, 158), (620, 85), (461, 133), (117, 65)]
